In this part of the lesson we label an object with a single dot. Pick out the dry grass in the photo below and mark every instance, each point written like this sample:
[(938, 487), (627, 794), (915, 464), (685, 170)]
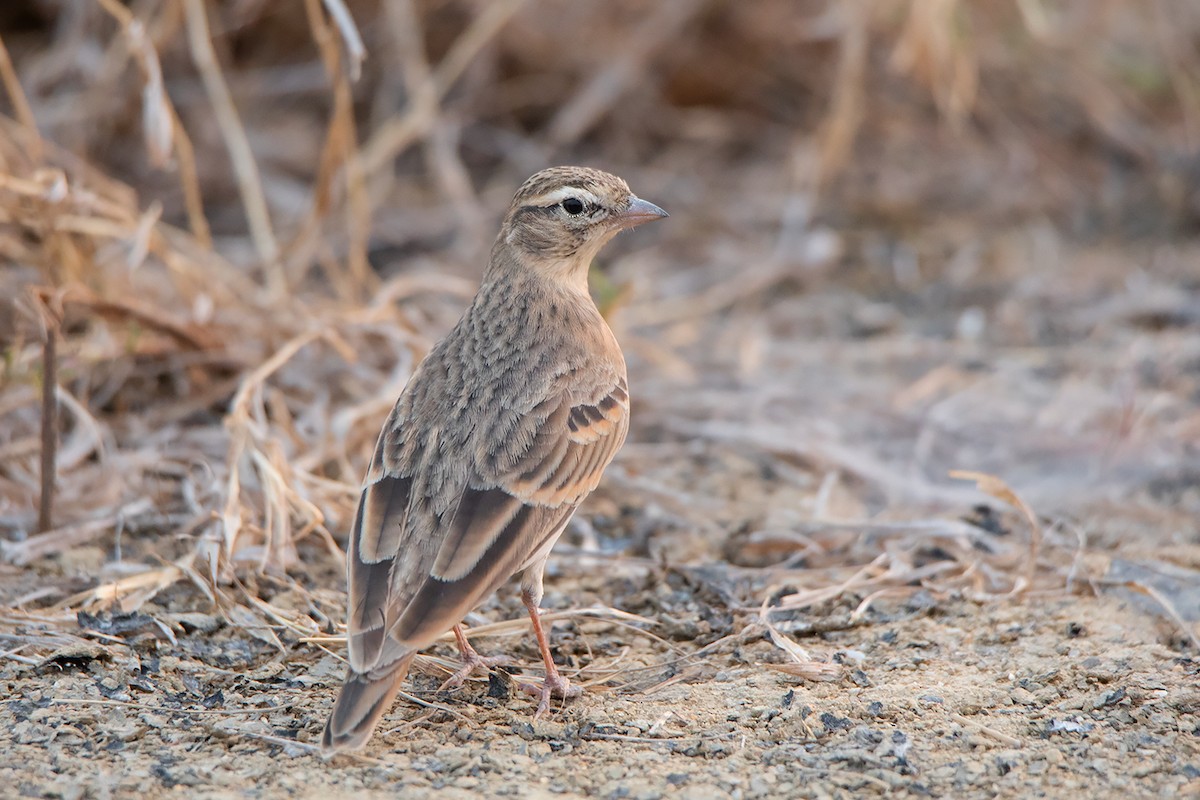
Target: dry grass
[(246, 222)]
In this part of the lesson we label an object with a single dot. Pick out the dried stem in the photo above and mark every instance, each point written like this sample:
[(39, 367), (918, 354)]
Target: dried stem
[(16, 96), (49, 426), (398, 134), (244, 166), (189, 180), (356, 53), (339, 156)]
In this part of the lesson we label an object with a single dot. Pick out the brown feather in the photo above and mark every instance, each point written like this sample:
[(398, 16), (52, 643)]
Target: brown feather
[(481, 519), (439, 604), (373, 550), (364, 699), (501, 432)]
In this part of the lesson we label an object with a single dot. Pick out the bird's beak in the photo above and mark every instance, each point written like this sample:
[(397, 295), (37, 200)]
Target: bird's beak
[(639, 212)]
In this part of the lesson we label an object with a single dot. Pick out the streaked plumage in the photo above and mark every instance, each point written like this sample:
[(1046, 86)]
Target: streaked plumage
[(502, 431)]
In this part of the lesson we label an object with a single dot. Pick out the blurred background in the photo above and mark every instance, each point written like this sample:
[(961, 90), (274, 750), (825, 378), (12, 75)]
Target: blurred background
[(906, 237)]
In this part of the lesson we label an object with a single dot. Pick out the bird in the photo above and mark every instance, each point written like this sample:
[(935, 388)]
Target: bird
[(500, 433)]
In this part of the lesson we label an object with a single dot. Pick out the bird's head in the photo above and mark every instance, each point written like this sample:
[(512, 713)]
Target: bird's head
[(562, 216)]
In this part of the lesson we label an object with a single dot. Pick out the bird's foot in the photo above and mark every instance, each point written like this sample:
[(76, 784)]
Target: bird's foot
[(472, 663), (555, 685)]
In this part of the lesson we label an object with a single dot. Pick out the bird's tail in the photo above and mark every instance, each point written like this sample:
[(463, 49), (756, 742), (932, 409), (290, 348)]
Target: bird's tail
[(363, 700)]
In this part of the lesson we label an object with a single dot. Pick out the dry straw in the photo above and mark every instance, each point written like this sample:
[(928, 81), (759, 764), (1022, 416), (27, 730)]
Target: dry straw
[(202, 309)]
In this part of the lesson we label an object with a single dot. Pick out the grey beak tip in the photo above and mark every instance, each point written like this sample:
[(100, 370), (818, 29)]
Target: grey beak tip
[(641, 211)]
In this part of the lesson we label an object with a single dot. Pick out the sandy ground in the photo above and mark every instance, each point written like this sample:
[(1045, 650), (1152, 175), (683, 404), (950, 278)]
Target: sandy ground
[(1053, 696), (1066, 697)]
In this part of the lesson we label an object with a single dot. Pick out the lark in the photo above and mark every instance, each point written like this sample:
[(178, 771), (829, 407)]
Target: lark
[(502, 431)]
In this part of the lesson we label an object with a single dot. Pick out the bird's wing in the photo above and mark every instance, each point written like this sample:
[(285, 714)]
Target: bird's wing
[(414, 573)]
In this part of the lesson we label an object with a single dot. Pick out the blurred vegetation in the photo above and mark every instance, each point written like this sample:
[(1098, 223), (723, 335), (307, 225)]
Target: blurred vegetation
[(247, 219)]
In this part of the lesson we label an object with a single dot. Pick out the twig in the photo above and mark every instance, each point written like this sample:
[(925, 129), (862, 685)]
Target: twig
[(12, 654), (244, 167), (49, 422), (840, 126), (519, 626), (829, 453), (441, 141), (16, 95), (240, 424), (489, 23), (602, 91), (355, 52), (158, 123), (398, 133), (986, 731), (284, 742), (59, 539), (189, 180), (997, 488), (433, 706), (161, 102), (187, 336), (1163, 600), (339, 154), (67, 701), (619, 737)]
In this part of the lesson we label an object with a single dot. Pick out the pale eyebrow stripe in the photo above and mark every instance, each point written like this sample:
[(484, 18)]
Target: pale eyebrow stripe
[(562, 193)]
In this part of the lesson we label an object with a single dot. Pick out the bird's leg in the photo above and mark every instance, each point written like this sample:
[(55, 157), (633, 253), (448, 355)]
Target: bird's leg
[(555, 685), (472, 662)]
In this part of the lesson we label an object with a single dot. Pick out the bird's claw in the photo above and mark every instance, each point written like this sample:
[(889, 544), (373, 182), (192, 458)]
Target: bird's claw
[(471, 664), (554, 685)]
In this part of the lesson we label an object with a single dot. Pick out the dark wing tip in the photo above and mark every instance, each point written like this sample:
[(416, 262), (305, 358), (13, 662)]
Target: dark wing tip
[(359, 707)]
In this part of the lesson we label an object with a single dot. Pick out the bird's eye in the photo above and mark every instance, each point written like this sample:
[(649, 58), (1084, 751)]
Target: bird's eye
[(573, 206)]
